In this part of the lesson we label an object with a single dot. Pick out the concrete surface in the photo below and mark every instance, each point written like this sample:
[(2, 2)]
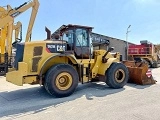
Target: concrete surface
[(90, 102)]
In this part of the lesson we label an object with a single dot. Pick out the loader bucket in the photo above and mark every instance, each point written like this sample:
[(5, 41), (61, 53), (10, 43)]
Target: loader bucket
[(138, 73)]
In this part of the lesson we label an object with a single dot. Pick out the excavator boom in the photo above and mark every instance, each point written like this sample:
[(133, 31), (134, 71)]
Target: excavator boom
[(17, 11), (32, 19), (7, 27), (18, 29), (9, 15)]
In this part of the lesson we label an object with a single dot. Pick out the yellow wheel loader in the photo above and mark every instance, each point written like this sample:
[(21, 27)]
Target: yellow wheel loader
[(62, 62)]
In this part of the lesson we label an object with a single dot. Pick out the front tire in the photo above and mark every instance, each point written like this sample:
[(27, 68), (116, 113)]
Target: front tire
[(117, 75), (61, 80)]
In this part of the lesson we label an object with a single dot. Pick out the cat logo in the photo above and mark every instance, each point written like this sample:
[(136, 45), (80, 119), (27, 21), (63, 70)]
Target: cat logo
[(60, 48)]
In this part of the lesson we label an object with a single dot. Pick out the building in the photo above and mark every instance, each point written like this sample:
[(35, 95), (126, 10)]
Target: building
[(119, 45)]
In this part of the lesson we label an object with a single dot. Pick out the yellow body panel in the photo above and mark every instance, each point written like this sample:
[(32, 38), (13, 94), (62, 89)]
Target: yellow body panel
[(99, 67), (30, 80), (29, 55), (16, 77), (86, 61)]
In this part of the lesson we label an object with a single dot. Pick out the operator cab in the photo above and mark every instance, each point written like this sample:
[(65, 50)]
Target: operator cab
[(78, 40)]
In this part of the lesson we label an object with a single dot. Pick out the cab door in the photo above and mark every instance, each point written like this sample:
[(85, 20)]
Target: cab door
[(82, 43)]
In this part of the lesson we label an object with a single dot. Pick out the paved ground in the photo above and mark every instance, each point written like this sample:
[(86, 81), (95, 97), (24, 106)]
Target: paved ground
[(89, 102)]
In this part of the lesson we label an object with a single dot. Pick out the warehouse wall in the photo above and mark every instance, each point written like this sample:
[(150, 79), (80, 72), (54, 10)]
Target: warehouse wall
[(119, 45)]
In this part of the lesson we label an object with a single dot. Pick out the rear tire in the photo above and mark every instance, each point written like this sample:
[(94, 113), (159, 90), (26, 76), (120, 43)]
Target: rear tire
[(61, 80), (117, 75)]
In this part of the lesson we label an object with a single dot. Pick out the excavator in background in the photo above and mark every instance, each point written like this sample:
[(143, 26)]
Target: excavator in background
[(6, 57), (7, 27)]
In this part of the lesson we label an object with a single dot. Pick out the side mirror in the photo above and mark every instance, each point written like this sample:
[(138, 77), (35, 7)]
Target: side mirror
[(110, 49)]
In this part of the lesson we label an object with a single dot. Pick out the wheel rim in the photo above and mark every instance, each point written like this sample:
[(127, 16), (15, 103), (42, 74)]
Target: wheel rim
[(119, 75), (64, 81)]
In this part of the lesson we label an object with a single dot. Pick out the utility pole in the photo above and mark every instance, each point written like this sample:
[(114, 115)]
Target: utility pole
[(127, 41)]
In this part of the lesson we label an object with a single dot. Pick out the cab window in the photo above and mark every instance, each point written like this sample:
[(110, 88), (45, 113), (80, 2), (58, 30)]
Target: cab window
[(68, 36), (81, 37)]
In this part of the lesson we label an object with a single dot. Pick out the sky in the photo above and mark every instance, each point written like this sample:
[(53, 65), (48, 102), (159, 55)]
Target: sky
[(108, 17)]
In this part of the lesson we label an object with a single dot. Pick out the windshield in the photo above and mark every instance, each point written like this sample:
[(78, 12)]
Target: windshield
[(81, 37)]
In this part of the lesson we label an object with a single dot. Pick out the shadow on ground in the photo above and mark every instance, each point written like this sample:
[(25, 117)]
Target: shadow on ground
[(36, 99), (138, 86)]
